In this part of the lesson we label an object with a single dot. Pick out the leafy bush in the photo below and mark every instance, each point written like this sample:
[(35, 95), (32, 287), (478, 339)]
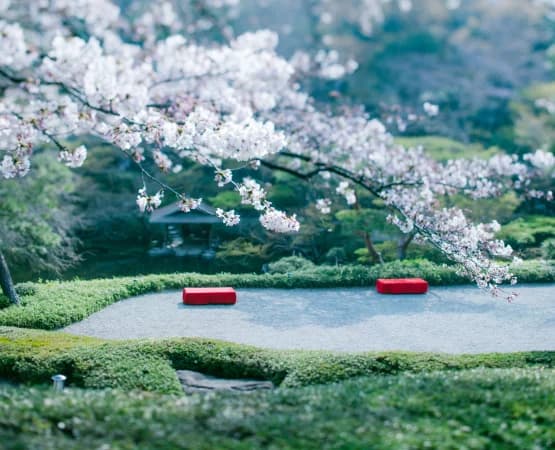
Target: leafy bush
[(534, 271), (336, 255), (4, 301), (24, 289), (389, 252), (442, 410), (528, 232), (290, 264), (243, 254), (226, 200), (548, 249)]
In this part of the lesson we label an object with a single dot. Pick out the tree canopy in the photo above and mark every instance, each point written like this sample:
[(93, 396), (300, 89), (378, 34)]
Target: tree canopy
[(169, 84)]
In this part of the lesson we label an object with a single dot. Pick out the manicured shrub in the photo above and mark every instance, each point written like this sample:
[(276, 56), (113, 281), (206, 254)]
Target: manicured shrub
[(290, 264), (534, 271)]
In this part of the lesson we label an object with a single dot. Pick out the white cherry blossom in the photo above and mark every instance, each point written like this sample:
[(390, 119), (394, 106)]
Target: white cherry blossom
[(164, 98), (229, 218)]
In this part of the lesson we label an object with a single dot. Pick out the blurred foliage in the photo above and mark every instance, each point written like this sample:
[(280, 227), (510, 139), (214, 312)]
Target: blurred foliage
[(336, 255), (486, 210), (244, 254), (287, 194), (226, 200), (364, 219), (465, 60), (399, 400), (534, 126), (390, 252), (527, 232), (38, 218), (548, 249), (443, 149)]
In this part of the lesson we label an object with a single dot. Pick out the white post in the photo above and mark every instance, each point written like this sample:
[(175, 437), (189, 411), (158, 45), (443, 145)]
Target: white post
[(59, 382)]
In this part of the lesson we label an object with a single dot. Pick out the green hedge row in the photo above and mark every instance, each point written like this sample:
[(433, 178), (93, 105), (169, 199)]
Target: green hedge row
[(54, 305), (475, 409), (34, 356)]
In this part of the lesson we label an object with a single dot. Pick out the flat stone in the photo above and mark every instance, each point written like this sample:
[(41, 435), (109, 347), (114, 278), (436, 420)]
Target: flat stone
[(199, 382)]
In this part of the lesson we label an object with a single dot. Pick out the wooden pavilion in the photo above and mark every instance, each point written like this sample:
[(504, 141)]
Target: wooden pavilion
[(186, 234)]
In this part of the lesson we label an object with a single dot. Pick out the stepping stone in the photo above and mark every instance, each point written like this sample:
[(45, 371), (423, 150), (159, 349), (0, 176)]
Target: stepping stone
[(199, 382)]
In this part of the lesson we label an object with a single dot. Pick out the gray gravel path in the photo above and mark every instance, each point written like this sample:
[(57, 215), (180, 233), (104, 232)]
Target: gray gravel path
[(458, 319)]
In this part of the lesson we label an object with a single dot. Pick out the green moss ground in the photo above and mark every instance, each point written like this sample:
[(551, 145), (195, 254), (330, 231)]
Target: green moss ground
[(32, 356)]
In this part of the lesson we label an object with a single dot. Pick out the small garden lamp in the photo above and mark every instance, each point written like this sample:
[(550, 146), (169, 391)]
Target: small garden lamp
[(59, 382)]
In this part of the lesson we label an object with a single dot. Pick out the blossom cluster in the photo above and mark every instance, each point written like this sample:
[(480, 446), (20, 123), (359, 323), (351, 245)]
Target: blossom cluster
[(360, 153), (74, 157), (188, 204), (158, 100), (323, 205), (147, 202), (278, 221), (229, 218), (347, 192)]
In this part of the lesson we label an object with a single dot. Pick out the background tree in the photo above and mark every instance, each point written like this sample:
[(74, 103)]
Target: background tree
[(36, 222), (165, 98), (363, 222)]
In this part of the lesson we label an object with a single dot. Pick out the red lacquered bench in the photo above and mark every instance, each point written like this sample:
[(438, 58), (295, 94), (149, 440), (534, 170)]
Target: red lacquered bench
[(401, 286), (209, 296)]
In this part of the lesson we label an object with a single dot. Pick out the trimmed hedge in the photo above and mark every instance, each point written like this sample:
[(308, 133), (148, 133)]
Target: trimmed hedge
[(473, 409), (34, 356), (52, 305), (291, 264)]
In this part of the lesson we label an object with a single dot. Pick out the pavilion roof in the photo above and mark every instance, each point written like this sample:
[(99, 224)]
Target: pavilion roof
[(172, 214)]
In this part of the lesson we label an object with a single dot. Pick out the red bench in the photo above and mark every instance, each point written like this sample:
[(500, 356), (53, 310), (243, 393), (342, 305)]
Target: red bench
[(209, 296), (401, 286)]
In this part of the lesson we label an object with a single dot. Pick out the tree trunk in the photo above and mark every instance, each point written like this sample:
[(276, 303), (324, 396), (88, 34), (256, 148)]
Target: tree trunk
[(6, 281), (376, 256), (404, 245)]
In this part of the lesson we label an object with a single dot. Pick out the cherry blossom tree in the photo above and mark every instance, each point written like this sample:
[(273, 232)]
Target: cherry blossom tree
[(160, 95)]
